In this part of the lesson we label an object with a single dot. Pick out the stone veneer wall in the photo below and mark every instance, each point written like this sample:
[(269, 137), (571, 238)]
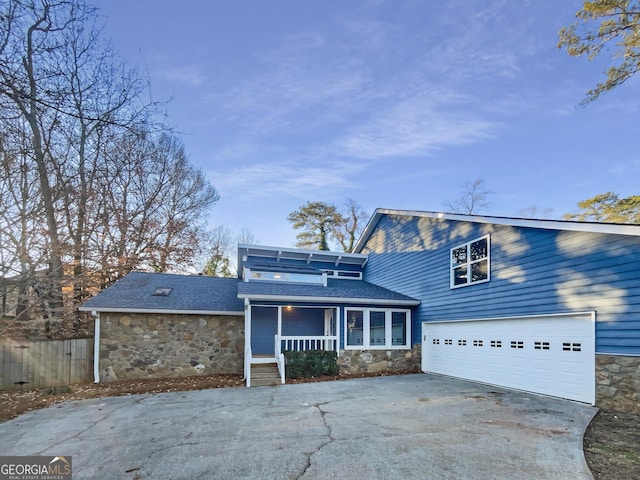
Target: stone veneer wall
[(618, 383), (376, 361), (145, 345)]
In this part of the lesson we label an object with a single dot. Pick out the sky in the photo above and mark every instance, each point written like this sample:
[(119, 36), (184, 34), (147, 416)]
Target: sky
[(395, 104)]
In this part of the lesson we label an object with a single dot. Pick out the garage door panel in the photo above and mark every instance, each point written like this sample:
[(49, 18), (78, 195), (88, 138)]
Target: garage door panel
[(553, 355)]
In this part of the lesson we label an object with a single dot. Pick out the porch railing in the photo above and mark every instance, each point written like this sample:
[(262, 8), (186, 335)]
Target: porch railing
[(279, 357), (300, 343)]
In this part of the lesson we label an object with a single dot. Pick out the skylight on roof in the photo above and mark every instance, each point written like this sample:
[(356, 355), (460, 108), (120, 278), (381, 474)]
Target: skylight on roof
[(162, 292)]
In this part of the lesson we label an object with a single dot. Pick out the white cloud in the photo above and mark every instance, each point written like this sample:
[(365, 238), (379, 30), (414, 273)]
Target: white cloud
[(417, 126), (443, 88), (304, 83), (299, 180), (625, 168), (286, 99), (186, 74), (328, 80)]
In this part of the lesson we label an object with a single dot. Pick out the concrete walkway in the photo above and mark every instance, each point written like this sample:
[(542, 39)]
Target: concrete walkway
[(410, 426)]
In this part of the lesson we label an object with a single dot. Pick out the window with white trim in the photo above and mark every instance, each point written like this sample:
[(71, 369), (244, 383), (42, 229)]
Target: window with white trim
[(470, 263), (377, 328), (288, 277), (352, 275)]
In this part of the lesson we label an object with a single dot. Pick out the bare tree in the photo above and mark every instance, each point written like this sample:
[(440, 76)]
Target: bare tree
[(101, 93), (220, 253), (220, 259), (20, 234), (473, 199), (153, 208), (64, 84), (247, 237), (29, 81), (93, 186), (185, 197), (352, 222)]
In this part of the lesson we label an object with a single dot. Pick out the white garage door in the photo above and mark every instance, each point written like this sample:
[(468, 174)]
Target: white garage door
[(551, 354)]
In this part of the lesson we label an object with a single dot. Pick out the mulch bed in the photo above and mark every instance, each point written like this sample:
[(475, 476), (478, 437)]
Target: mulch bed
[(612, 446)]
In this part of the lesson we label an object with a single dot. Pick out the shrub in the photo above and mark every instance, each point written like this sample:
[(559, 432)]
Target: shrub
[(310, 363)]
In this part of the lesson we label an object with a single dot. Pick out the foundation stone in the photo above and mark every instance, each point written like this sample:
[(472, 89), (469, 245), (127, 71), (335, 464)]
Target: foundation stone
[(378, 361), (145, 345), (618, 383)]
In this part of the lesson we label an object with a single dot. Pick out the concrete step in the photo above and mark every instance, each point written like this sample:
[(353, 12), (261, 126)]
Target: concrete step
[(264, 374), (264, 382), (264, 367)]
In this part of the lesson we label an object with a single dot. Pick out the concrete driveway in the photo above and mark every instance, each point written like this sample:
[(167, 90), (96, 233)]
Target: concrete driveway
[(410, 426)]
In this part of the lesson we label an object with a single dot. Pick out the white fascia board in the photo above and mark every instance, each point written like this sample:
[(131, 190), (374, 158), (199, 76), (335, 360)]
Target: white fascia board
[(157, 310), (368, 229), (518, 317), (301, 254), (566, 225), (363, 301)]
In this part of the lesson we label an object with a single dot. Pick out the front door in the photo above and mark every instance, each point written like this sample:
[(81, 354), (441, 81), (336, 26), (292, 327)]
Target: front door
[(264, 326)]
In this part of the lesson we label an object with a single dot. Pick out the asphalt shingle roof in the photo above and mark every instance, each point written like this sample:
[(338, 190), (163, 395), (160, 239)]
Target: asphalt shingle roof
[(197, 293), (336, 288), (136, 291)]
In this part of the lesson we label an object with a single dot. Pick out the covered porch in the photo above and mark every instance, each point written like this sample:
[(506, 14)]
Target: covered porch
[(271, 330)]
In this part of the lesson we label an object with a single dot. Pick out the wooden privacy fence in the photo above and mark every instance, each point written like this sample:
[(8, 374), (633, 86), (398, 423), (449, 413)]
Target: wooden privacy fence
[(27, 364)]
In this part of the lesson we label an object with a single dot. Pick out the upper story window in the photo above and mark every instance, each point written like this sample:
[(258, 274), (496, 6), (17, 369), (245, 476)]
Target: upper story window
[(470, 263), (290, 277), (354, 275)]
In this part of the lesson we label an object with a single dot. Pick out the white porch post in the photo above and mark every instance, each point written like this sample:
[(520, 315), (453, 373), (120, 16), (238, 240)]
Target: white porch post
[(96, 347), (338, 331), (247, 339), (329, 313), (279, 321)]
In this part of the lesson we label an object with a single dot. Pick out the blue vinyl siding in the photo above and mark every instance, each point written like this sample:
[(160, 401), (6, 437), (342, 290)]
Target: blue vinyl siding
[(533, 271), (303, 321)]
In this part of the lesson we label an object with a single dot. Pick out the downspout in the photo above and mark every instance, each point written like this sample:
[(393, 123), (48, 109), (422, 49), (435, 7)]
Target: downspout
[(96, 347)]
